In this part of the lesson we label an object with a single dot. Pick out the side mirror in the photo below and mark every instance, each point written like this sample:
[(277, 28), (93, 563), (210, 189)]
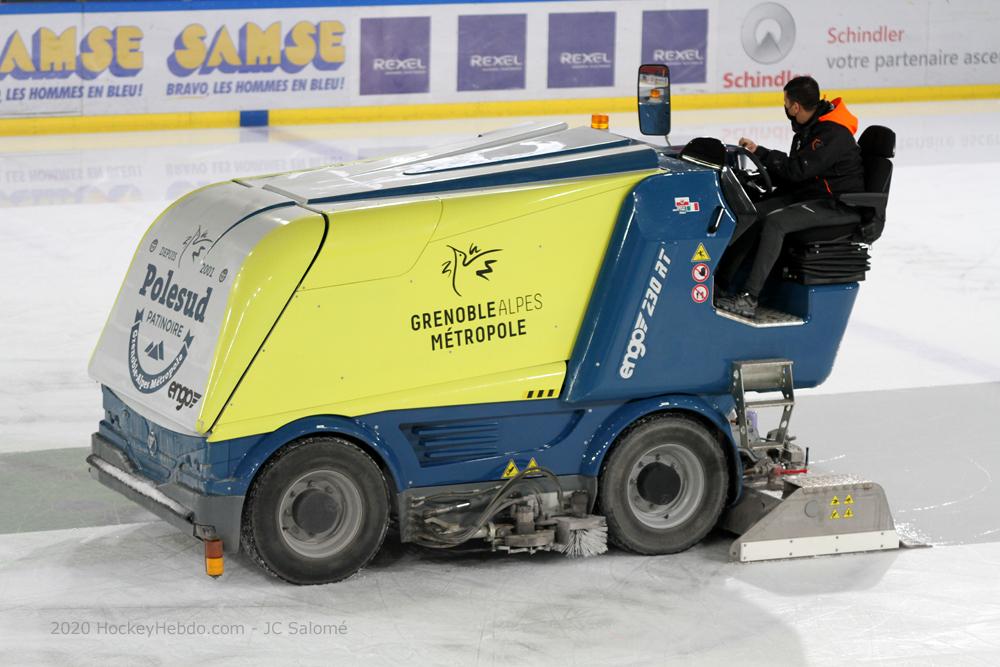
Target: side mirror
[(654, 99)]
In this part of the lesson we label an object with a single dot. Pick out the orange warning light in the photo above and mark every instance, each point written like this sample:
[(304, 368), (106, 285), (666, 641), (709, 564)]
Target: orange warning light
[(214, 564), (655, 94), (599, 121)]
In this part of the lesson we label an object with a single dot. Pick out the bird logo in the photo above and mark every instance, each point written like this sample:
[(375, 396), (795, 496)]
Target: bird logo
[(474, 260), (198, 242)]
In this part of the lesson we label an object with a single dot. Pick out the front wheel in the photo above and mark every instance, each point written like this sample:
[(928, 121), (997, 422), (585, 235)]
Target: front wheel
[(663, 485), (317, 511)]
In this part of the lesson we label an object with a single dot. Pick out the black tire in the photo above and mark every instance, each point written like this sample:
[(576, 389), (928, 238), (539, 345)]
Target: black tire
[(347, 505), (687, 485)]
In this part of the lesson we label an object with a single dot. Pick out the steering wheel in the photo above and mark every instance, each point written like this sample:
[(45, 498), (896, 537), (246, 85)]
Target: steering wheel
[(761, 180)]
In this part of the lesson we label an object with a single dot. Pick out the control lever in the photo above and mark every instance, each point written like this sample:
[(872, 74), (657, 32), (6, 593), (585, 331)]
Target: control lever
[(713, 226)]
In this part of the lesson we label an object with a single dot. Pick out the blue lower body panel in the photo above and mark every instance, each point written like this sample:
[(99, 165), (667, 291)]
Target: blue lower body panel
[(419, 448)]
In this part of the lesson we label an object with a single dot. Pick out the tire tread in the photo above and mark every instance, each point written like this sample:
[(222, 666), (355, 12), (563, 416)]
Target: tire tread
[(248, 538), (616, 530)]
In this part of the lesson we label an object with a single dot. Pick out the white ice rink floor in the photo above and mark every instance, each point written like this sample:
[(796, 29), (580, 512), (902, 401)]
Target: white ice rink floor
[(911, 403)]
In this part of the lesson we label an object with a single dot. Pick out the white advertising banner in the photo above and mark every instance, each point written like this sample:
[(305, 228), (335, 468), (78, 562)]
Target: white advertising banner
[(856, 44), (215, 55)]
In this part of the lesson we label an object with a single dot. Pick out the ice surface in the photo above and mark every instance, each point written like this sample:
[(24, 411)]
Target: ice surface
[(928, 606)]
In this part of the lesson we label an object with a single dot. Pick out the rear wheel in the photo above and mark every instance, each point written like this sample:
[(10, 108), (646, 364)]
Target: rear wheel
[(663, 485), (317, 511)]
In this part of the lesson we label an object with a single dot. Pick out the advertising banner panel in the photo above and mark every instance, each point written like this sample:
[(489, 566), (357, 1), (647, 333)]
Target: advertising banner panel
[(395, 55), (491, 51), (857, 44), (581, 50), (73, 59), (677, 38)]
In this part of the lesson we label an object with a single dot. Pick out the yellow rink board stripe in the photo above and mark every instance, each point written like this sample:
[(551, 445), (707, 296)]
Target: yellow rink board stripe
[(117, 123), (402, 112)]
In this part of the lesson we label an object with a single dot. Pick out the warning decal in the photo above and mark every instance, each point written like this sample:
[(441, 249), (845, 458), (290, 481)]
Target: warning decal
[(834, 514), (849, 500), (532, 464), (511, 470), (701, 255), (699, 293), (848, 513), (700, 272), (835, 501)]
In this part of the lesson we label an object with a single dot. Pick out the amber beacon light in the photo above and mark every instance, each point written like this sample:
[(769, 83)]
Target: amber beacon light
[(599, 121)]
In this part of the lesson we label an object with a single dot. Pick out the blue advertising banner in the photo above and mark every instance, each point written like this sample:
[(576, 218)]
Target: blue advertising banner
[(677, 38), (491, 51), (581, 50), (395, 55)]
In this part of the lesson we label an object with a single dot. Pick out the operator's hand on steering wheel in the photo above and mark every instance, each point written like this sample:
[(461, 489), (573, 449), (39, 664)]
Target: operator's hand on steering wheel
[(756, 178)]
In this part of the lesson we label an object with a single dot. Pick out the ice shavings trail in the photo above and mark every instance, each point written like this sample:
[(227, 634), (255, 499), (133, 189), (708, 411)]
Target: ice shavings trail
[(142, 487)]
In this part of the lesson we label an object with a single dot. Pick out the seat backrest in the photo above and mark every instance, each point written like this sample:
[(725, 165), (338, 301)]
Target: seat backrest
[(878, 144), (878, 175), (878, 141)]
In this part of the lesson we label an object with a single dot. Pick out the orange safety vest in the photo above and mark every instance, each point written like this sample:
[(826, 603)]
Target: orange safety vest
[(841, 116)]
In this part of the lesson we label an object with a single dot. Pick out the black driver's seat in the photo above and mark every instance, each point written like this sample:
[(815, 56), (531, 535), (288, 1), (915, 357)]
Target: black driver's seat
[(839, 254)]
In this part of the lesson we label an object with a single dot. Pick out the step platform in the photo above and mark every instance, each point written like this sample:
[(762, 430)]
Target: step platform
[(765, 317)]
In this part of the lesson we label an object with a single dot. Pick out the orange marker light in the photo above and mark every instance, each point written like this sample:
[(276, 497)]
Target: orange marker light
[(599, 121), (213, 558), (655, 94)]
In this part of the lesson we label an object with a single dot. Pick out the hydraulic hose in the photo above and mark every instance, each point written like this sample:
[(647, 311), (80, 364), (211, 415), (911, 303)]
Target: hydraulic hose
[(494, 507)]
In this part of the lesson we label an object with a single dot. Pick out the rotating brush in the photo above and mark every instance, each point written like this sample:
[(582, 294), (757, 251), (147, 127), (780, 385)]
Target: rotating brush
[(580, 537)]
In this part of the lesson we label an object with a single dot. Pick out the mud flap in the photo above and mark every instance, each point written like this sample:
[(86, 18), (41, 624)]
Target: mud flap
[(811, 516)]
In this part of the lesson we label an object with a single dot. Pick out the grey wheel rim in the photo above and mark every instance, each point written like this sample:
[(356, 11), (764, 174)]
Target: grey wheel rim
[(689, 490), (341, 516)]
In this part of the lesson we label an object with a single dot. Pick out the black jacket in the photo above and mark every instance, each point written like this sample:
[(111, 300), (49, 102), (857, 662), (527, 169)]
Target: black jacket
[(824, 159)]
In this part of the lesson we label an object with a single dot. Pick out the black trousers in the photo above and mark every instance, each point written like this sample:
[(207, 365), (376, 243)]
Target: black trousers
[(777, 217)]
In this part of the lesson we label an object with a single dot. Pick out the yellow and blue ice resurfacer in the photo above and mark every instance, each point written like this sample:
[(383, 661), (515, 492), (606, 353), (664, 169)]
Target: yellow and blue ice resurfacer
[(511, 341)]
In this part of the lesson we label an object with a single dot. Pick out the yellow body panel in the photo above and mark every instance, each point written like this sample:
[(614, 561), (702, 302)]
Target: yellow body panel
[(491, 306), (517, 382), (468, 212), (267, 279), (374, 242)]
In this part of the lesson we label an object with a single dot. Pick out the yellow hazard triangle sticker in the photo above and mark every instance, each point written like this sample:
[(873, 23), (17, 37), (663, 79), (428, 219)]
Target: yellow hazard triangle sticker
[(848, 514), (835, 501), (849, 500), (700, 255), (511, 470), (532, 464), (834, 514)]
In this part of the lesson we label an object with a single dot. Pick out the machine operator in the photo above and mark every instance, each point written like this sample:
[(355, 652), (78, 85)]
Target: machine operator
[(823, 162)]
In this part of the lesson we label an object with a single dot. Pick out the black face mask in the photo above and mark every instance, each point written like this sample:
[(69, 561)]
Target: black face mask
[(796, 125)]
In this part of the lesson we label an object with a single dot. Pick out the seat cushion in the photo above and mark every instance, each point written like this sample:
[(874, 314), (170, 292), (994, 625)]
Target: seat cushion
[(819, 234)]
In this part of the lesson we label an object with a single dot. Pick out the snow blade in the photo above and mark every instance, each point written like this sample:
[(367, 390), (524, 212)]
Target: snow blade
[(811, 516)]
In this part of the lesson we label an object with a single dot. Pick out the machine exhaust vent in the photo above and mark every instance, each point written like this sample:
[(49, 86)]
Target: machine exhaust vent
[(451, 442)]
